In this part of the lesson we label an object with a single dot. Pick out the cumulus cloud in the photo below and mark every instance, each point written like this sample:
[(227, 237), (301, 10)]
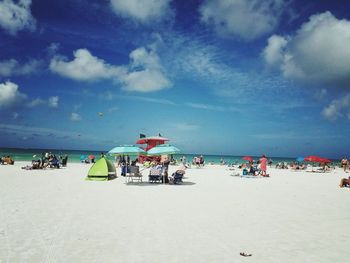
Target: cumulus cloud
[(318, 53), (274, 51), (12, 67), (144, 73), (10, 94), (337, 108), (145, 11), (75, 116), (16, 16), (246, 19), (84, 66)]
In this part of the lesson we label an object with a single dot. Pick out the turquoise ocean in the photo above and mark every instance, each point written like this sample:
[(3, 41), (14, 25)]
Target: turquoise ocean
[(75, 155)]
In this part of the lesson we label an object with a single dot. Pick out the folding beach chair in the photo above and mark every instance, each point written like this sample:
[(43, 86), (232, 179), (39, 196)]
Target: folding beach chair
[(176, 177), (133, 174), (155, 175)]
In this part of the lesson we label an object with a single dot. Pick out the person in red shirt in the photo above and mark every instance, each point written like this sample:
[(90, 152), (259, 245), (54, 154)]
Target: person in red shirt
[(263, 165)]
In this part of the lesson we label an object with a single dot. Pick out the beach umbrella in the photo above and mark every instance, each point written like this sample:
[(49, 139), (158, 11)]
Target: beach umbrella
[(316, 159), (248, 158), (82, 157), (91, 156), (325, 160), (163, 149), (126, 150), (300, 159)]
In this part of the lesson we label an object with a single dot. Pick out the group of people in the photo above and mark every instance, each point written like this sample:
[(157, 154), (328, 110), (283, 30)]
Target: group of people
[(163, 167), (260, 168), (198, 161), (7, 160), (47, 159), (161, 164)]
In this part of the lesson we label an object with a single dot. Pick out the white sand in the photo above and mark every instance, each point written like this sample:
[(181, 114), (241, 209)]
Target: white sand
[(57, 216)]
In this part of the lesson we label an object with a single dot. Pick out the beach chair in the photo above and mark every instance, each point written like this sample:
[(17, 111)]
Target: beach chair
[(155, 175), (64, 161), (176, 177), (134, 174), (55, 163)]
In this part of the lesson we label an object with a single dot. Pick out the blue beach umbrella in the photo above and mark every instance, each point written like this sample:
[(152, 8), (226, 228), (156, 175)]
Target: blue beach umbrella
[(163, 149), (82, 157), (300, 159), (126, 150)]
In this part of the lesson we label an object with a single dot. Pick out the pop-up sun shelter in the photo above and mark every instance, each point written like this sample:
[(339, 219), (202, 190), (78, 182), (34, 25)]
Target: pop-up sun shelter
[(102, 170)]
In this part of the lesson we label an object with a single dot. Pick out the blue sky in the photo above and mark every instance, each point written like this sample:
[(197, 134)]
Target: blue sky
[(216, 77)]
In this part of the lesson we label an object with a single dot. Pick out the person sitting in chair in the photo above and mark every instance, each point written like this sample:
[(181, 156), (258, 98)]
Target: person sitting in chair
[(177, 176), (345, 182)]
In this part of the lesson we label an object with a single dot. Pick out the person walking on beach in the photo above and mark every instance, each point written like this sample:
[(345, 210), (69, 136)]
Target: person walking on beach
[(344, 163), (263, 165)]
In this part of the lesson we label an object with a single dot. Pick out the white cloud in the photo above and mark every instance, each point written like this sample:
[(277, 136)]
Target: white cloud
[(84, 67), (205, 107), (145, 81), (144, 74), (10, 95), (214, 69), (16, 16), (318, 53), (273, 53), (75, 116), (149, 99), (36, 102), (201, 106), (144, 11), (53, 102), (337, 108), (247, 19), (12, 67)]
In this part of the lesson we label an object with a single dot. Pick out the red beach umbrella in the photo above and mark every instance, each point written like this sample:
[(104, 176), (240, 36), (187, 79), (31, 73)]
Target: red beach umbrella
[(316, 159), (325, 160), (248, 158), (91, 157), (312, 158)]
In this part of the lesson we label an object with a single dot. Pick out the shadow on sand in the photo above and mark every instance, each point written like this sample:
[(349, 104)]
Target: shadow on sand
[(158, 184)]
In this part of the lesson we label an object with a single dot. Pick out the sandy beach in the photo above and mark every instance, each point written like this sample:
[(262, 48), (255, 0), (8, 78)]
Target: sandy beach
[(54, 215)]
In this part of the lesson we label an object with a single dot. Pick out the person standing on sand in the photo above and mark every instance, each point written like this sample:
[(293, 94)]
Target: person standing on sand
[(263, 165), (344, 163)]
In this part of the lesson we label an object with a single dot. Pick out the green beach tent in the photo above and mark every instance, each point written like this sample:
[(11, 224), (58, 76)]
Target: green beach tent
[(102, 170)]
